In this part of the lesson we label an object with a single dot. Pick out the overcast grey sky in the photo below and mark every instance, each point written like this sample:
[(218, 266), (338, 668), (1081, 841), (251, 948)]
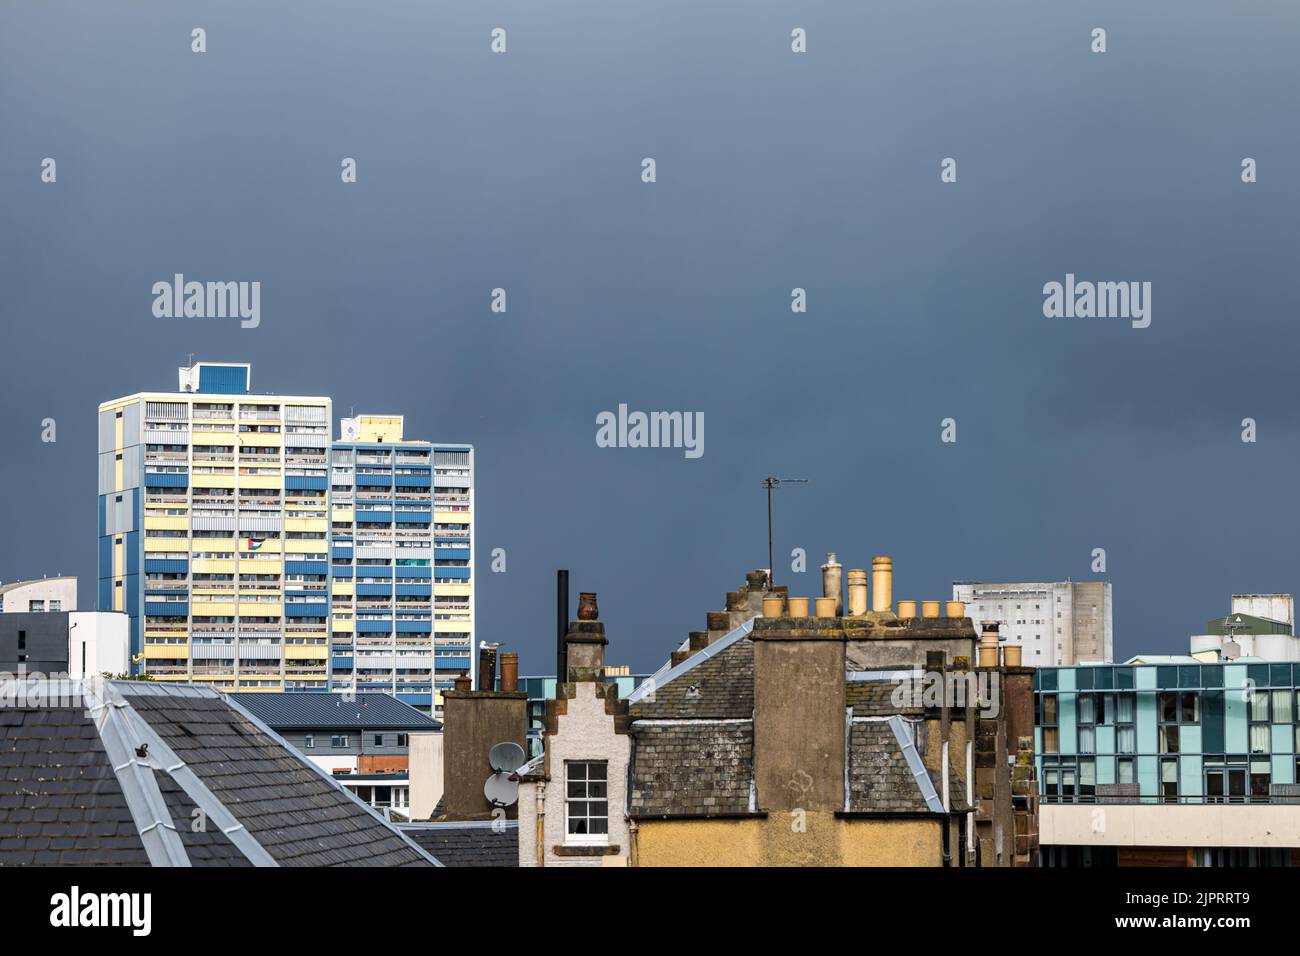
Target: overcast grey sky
[(775, 170)]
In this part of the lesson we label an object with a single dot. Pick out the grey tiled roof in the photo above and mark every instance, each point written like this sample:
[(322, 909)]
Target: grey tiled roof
[(469, 844), (692, 768), (717, 687), (879, 776), (875, 698), (956, 789), (60, 802), (326, 711), (70, 779), (881, 779), (204, 844), (693, 744), (299, 816)]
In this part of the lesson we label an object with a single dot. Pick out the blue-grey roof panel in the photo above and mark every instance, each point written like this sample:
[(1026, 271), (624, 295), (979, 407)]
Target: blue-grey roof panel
[(326, 711)]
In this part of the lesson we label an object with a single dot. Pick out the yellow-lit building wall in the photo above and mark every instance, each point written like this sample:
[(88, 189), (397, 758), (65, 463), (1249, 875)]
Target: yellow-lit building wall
[(776, 840)]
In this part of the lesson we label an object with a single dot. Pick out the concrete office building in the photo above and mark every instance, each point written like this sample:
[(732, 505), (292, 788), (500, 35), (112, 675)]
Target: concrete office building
[(36, 597), (1192, 764), (1055, 624), (401, 551)]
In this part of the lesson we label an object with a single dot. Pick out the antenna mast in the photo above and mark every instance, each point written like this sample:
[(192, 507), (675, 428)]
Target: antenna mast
[(769, 483)]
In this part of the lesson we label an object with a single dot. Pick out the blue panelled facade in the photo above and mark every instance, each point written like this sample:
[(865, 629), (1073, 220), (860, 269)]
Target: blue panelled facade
[(401, 608)]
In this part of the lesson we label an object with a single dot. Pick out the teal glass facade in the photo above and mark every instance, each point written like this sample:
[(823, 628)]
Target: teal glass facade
[(1182, 732)]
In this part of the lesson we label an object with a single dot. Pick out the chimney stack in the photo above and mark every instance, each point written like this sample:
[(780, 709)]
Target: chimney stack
[(475, 721), (989, 644), (584, 645), (561, 622), (509, 672), (857, 592), (833, 582), (799, 722), (487, 666), (882, 584)]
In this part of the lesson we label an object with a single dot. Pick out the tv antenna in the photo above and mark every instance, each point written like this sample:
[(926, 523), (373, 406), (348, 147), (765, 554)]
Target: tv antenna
[(769, 483)]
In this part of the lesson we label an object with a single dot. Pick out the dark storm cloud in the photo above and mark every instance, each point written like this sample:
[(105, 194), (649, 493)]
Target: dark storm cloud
[(774, 171)]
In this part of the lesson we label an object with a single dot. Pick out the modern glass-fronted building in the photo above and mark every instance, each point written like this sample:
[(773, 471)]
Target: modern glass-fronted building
[(1169, 761), (1181, 731)]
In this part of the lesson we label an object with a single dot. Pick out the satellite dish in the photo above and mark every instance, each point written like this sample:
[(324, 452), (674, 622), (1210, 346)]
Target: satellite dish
[(506, 757), (500, 790)]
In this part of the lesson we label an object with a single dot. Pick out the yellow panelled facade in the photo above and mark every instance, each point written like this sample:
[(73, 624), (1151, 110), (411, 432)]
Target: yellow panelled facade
[(226, 479)]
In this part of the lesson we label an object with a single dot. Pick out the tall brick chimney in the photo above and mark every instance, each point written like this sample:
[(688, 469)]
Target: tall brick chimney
[(475, 721), (798, 714)]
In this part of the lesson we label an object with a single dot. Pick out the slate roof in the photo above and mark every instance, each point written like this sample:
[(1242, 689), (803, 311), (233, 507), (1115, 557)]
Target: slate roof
[(717, 687), (469, 844), (327, 711), (692, 768), (875, 698), (177, 749), (60, 802), (206, 847), (693, 744)]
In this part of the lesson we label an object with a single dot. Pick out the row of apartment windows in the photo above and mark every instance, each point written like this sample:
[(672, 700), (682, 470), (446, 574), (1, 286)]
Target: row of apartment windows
[(339, 741), (1224, 778), (1174, 711)]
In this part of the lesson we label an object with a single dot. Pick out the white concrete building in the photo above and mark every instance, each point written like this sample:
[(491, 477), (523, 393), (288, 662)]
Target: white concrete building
[(1055, 624), (35, 597), (99, 642), (1274, 607)]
